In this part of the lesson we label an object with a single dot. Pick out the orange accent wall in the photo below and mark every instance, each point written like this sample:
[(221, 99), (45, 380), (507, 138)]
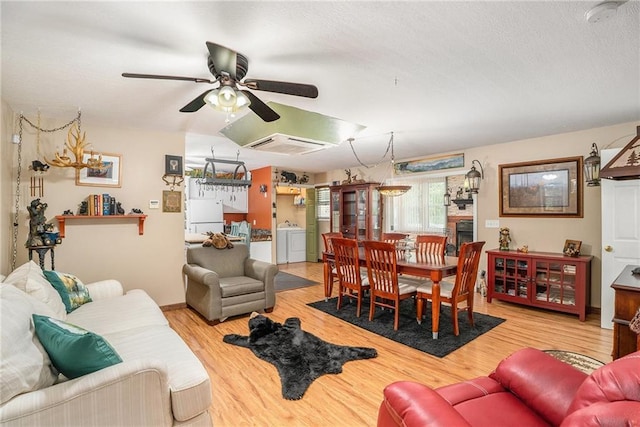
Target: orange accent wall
[(260, 206), (236, 217)]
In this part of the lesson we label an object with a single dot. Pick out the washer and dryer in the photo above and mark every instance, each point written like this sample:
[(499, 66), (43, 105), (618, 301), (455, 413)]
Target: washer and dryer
[(291, 244)]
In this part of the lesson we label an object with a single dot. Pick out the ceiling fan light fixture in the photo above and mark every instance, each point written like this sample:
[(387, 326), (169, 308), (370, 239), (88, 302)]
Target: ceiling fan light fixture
[(226, 99), (393, 190)]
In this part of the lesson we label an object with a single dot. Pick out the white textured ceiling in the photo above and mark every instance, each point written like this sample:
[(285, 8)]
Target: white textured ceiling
[(441, 75)]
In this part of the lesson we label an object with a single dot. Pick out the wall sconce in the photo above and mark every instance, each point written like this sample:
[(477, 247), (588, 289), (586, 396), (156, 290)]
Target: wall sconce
[(447, 197), (263, 190), (474, 177), (592, 167)]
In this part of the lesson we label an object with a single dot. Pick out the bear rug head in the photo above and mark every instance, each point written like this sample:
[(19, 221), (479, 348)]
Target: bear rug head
[(299, 356)]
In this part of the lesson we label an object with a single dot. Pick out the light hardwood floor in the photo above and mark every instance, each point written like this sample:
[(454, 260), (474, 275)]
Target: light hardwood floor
[(246, 390)]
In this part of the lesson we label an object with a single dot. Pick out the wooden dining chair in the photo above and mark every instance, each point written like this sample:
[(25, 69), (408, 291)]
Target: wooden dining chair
[(350, 280), (461, 290), (429, 245), (395, 238), (333, 275), (388, 289)]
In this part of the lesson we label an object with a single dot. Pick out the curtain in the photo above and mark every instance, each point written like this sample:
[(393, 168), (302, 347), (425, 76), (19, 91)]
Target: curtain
[(419, 210)]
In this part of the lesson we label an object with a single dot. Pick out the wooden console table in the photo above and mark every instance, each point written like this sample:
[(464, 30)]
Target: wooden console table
[(627, 301), (63, 218)]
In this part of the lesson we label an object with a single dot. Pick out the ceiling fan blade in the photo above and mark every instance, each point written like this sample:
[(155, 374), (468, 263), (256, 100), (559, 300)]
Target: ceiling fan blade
[(224, 59), (260, 108), (196, 104), (297, 89), (160, 77)]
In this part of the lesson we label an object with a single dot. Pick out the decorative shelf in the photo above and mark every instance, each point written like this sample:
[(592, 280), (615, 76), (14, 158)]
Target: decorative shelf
[(63, 218), (462, 203)]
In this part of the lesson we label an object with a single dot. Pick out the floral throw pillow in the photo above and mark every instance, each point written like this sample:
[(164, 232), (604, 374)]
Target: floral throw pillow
[(73, 292)]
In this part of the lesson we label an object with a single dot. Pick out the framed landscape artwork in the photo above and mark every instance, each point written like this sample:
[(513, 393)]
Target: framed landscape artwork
[(108, 176), (545, 188)]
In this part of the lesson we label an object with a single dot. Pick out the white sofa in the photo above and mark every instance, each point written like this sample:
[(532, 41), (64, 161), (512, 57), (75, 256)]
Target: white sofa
[(160, 381)]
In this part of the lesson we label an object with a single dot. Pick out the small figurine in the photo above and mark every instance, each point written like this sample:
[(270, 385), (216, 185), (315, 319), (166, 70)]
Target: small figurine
[(348, 180), (38, 166), (524, 249), (136, 211), (84, 208), (481, 287), (67, 212), (119, 208), (37, 223), (505, 239)]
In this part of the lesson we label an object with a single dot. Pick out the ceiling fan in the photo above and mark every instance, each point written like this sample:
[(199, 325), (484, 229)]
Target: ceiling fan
[(229, 68)]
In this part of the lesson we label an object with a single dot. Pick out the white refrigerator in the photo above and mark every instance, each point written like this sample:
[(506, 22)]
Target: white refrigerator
[(204, 215)]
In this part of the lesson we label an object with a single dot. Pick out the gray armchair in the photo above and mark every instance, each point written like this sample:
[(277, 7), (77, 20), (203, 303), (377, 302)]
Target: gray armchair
[(226, 282)]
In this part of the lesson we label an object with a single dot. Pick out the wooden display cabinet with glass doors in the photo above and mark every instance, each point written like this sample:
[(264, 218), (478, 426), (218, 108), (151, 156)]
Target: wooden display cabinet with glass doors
[(356, 211), (542, 279)]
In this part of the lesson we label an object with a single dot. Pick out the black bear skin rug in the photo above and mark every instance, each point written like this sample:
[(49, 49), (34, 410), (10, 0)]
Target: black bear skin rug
[(299, 356)]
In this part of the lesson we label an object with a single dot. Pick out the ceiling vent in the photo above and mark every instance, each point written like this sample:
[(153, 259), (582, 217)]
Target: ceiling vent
[(295, 132), (284, 144)]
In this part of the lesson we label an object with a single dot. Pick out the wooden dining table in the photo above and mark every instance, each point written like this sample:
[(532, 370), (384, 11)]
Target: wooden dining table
[(432, 267)]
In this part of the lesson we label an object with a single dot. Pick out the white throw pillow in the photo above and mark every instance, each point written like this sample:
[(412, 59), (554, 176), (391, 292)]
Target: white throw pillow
[(29, 278), (24, 363)]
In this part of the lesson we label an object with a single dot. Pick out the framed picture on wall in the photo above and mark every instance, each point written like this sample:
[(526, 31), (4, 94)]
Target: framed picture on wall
[(545, 188), (110, 175), (173, 165), (172, 201)]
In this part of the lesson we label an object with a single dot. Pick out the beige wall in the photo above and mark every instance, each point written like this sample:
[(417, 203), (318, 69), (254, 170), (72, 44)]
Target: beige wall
[(95, 250), (6, 193), (153, 261), (540, 234)]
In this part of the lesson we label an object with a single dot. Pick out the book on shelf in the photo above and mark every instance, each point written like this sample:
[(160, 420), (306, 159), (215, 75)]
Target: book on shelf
[(112, 205), (106, 204), (101, 205)]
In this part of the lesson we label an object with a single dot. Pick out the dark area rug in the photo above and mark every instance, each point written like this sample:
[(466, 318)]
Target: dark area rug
[(285, 281), (299, 356), (410, 332)]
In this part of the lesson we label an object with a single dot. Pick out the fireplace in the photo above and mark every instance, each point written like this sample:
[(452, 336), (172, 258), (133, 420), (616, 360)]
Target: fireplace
[(464, 233)]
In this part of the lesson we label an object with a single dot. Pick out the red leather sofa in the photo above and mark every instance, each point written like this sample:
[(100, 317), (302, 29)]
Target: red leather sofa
[(528, 388)]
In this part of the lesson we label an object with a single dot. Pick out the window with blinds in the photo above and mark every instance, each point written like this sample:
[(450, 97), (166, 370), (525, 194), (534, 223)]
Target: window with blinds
[(323, 202), (419, 210)]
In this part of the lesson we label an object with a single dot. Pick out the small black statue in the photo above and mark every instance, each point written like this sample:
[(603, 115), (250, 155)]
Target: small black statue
[(119, 208), (136, 211), (37, 223), (84, 208), (67, 212), (38, 166)]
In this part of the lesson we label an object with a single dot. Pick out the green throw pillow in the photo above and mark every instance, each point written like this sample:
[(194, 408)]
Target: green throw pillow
[(73, 351), (72, 291)]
